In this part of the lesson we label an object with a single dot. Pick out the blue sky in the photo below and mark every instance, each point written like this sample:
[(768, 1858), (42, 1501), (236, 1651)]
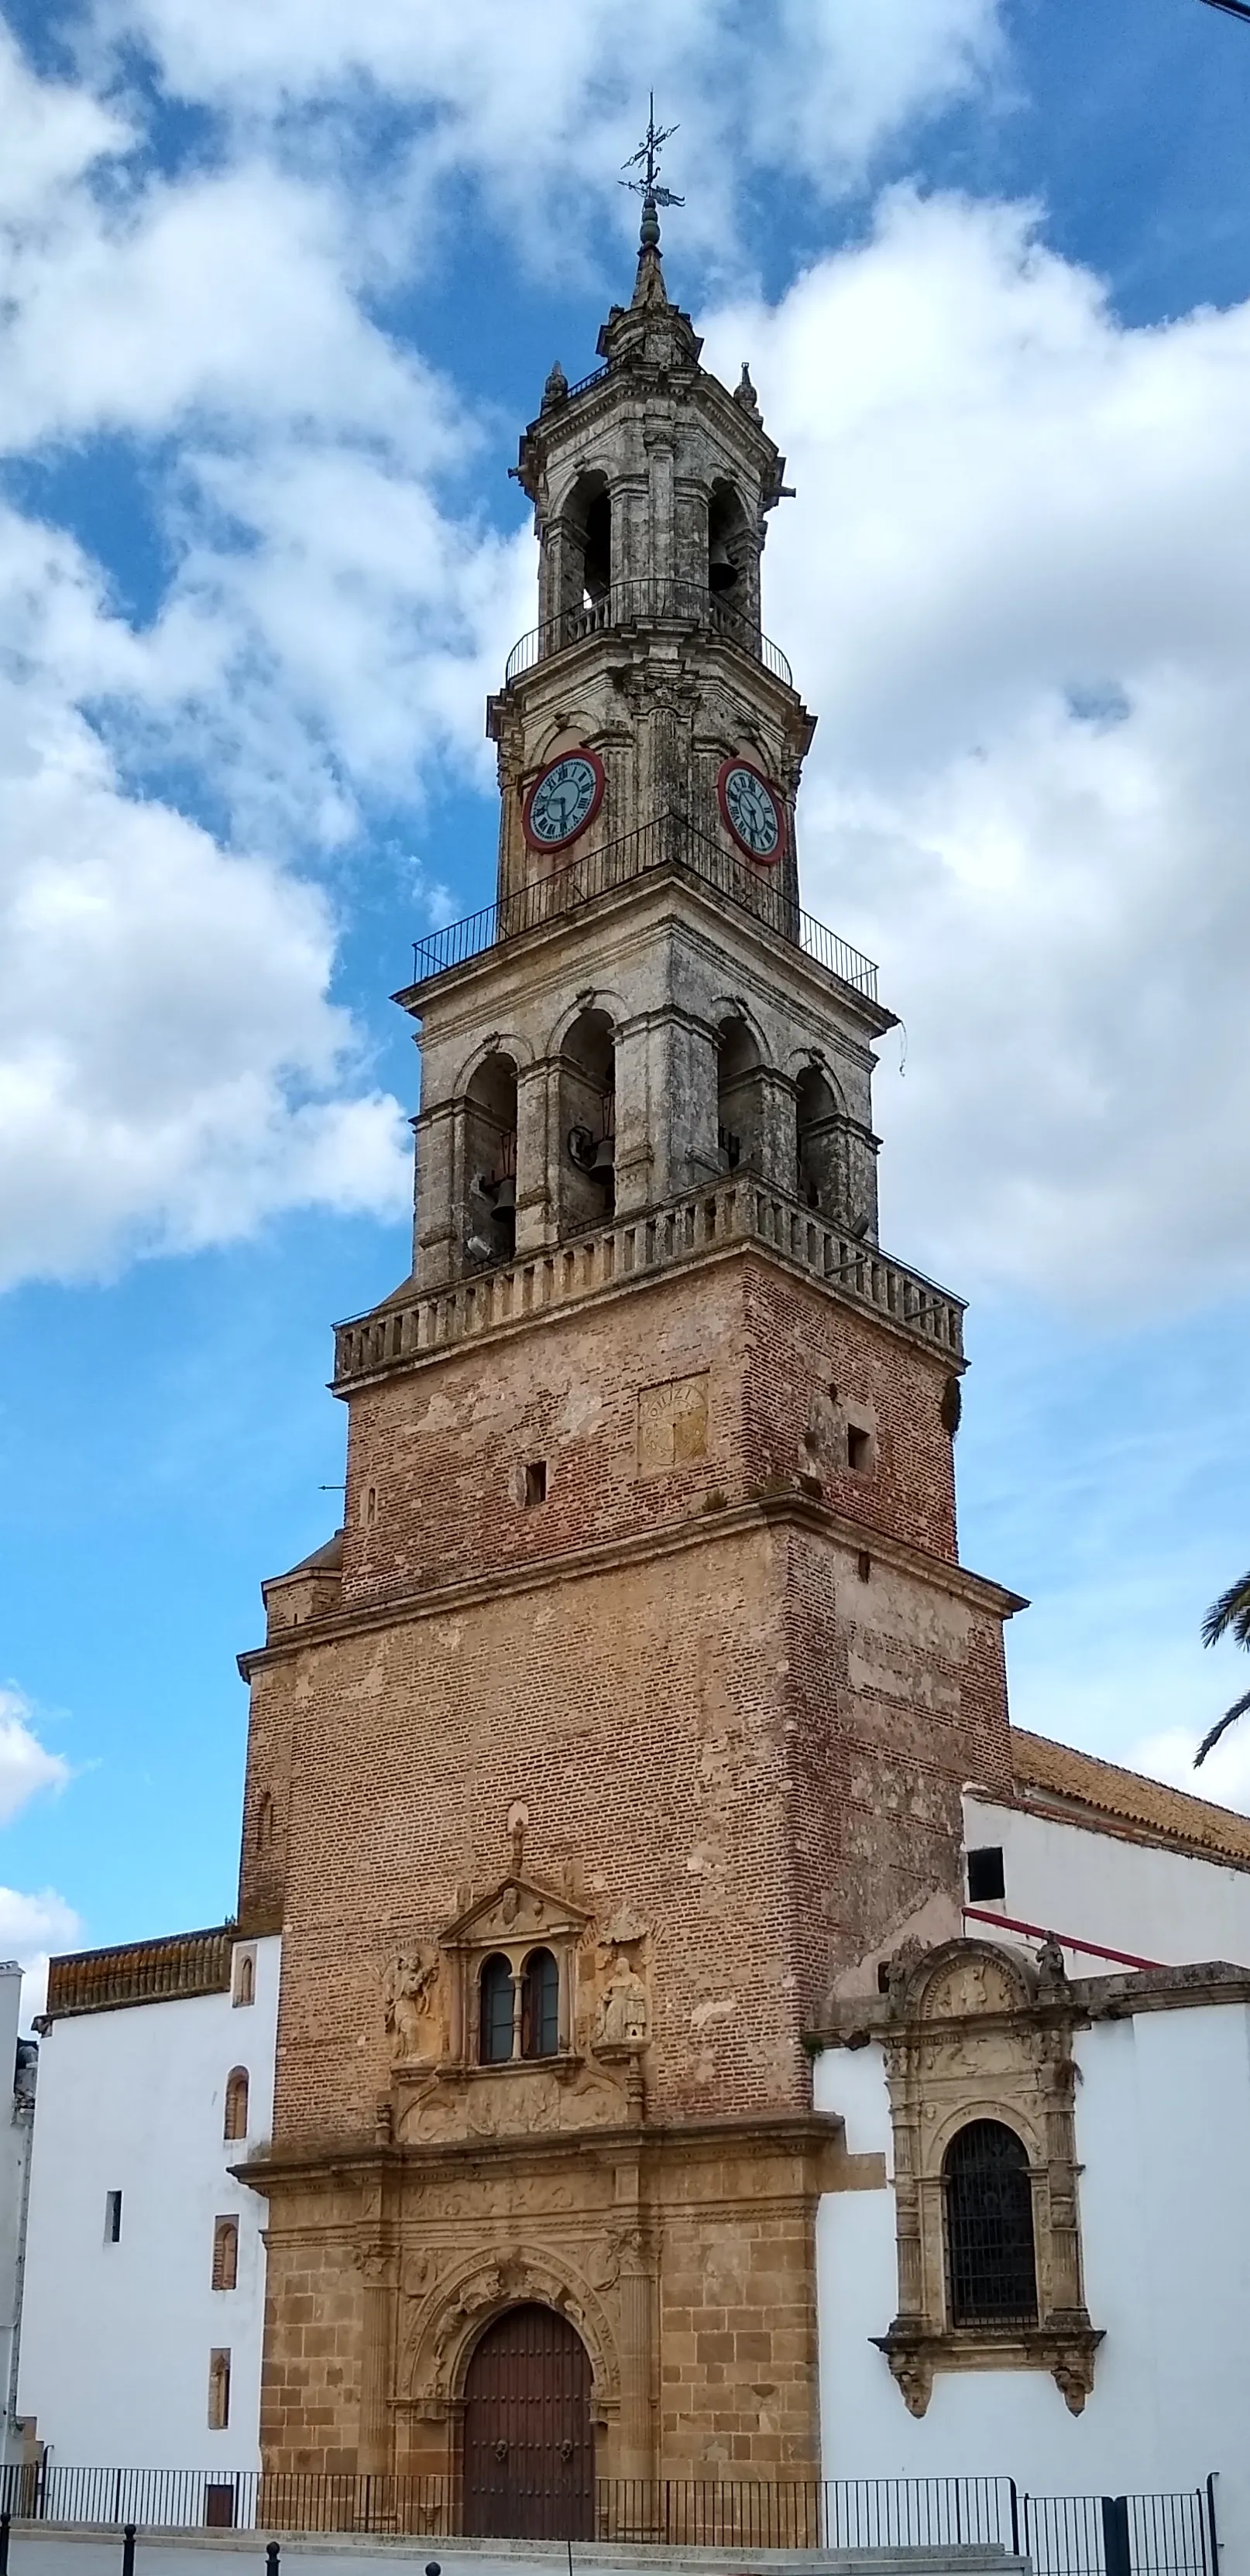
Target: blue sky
[(281, 286)]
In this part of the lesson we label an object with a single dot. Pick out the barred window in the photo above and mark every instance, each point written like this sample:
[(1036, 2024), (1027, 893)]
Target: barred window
[(225, 2254), (540, 2006), (236, 2103), (991, 2270), (495, 2027)]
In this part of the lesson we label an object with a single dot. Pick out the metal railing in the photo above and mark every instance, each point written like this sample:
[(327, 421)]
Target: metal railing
[(669, 842), (1137, 2535), (648, 601), (141, 1972)]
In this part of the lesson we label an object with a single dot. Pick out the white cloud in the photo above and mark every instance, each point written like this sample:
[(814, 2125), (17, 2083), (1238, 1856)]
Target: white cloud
[(541, 103), (32, 1930), (1014, 589), (1225, 1775), (26, 1766), (170, 1064)]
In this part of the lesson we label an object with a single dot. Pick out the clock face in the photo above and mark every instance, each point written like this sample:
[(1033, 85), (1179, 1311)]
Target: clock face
[(752, 810), (564, 800)]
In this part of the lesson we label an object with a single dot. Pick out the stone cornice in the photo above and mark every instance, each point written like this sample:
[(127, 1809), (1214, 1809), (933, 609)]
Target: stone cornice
[(802, 2134), (607, 1555)]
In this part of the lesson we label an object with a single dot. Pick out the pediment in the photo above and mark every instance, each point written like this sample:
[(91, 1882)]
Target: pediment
[(514, 1911)]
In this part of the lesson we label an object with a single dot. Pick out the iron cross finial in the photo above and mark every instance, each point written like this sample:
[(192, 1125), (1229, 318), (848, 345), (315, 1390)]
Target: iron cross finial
[(647, 160)]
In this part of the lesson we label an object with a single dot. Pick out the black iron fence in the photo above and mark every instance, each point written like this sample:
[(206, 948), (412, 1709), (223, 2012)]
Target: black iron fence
[(668, 842), (1136, 2535)]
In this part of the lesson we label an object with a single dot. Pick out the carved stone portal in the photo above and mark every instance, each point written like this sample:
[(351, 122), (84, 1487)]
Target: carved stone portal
[(975, 2032)]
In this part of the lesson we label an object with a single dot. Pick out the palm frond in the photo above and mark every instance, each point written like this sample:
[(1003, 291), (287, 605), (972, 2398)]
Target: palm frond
[(1228, 1719), (1232, 1610)]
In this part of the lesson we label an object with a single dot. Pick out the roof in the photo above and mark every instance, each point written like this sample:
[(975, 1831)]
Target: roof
[(1146, 1806), (324, 1560)]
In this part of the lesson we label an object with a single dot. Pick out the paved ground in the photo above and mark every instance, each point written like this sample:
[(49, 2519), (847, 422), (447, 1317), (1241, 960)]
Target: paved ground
[(243, 2554)]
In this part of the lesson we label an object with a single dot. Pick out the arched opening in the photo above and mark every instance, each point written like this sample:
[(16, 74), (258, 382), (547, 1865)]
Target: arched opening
[(584, 558), (490, 1125), (729, 550), (588, 1122), (540, 2006), (819, 1141), (496, 2012), (245, 1977), (739, 1098), (226, 2254), (235, 2125), (991, 2267), (529, 2459)]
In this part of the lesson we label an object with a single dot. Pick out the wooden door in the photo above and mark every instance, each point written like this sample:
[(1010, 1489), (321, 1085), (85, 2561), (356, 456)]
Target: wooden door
[(529, 2462)]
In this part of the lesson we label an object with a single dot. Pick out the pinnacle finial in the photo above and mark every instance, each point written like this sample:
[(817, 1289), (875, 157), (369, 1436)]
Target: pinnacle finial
[(646, 160)]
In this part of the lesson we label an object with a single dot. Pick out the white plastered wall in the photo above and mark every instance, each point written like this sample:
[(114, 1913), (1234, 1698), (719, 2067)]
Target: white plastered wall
[(1168, 1907), (116, 2338), (1163, 2137)]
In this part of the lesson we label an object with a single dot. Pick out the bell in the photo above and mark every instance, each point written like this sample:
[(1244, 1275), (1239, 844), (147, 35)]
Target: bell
[(505, 1192), (604, 1156), (722, 571)]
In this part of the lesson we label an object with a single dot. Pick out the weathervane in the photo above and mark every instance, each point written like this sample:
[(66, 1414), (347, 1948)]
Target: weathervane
[(647, 160)]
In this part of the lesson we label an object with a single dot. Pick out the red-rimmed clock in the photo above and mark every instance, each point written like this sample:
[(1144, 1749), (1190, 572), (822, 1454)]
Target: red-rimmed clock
[(563, 800), (752, 811)]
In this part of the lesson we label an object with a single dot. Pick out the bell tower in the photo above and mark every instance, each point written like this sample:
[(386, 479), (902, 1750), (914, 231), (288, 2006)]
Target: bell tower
[(631, 1707)]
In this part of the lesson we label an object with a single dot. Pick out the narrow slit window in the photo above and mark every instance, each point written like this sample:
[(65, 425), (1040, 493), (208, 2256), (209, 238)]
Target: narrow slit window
[(236, 2103), (535, 1482), (245, 1977), (112, 2218), (218, 2391), (226, 2254)]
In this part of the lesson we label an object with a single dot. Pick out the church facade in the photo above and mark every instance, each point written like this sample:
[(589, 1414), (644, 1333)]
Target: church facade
[(661, 1895)]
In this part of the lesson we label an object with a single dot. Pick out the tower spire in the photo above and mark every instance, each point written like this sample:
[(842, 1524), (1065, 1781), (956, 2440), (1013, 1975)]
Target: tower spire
[(649, 284)]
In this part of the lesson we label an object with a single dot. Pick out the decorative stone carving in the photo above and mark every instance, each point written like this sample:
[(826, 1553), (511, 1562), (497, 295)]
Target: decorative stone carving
[(623, 2009), (408, 2002), (973, 2031)]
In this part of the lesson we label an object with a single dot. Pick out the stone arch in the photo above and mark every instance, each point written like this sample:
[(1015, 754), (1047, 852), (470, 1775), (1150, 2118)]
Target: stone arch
[(820, 1138), (586, 1084), (969, 1977), (740, 1070), (732, 550), (573, 732), (490, 1158), (450, 2321), (580, 540)]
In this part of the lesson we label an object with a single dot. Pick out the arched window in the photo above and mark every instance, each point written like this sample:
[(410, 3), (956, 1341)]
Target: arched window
[(245, 1977), (218, 2391), (490, 1161), (582, 559), (225, 2254), (588, 1122), (236, 2103), (495, 2022), (728, 549), (739, 1121), (540, 2006), (991, 2271), (819, 1142)]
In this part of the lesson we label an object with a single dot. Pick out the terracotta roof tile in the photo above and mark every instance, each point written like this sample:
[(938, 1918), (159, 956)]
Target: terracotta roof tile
[(1170, 1815)]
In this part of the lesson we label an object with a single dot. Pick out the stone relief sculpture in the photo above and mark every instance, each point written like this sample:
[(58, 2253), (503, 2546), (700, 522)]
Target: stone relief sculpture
[(408, 2003), (622, 2021)]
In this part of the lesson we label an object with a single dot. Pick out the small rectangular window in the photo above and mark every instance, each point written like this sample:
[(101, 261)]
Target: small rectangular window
[(218, 2391), (987, 1879), (112, 2218), (858, 1449), (535, 1482)]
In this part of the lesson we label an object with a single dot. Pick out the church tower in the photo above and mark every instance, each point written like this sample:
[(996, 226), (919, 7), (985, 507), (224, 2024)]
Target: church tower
[(630, 1709)]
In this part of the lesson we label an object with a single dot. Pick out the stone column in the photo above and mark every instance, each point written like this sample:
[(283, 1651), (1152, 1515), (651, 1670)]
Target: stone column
[(439, 1240), (377, 2302)]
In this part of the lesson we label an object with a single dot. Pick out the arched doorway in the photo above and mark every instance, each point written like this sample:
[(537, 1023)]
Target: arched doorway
[(529, 2458)]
